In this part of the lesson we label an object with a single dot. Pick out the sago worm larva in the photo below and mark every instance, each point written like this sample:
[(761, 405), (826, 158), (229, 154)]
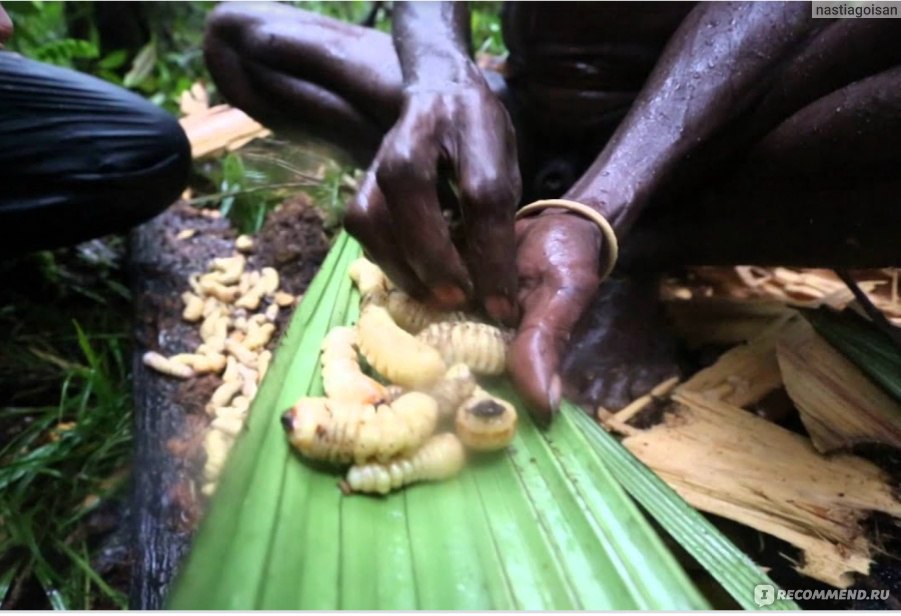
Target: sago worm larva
[(451, 390), (441, 457), (485, 422), (244, 243), (480, 346), (163, 364), (193, 307), (348, 432), (342, 378), (396, 354), (370, 281), (229, 269), (283, 299), (414, 316)]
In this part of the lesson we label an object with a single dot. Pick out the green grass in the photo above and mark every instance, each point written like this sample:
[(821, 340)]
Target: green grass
[(65, 427)]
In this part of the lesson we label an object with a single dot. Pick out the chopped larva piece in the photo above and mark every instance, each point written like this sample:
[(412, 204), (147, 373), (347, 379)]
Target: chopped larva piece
[(486, 422), (193, 307), (163, 364), (244, 243)]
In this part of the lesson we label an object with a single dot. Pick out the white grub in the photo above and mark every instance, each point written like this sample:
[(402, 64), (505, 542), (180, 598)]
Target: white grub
[(224, 393), (241, 353), (250, 300), (162, 364), (229, 268), (208, 489), (244, 243), (193, 307), (258, 336), (242, 403), (248, 381), (240, 324), (230, 425), (272, 312), (231, 370), (284, 299), (217, 289), (268, 281), (186, 234), (230, 412), (201, 363), (263, 361), (248, 280), (211, 305)]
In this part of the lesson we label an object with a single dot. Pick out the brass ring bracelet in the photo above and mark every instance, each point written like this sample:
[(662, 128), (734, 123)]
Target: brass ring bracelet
[(610, 242)]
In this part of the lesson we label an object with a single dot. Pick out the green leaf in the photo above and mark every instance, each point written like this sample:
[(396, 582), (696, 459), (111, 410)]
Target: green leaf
[(860, 341), (544, 525), (142, 66)]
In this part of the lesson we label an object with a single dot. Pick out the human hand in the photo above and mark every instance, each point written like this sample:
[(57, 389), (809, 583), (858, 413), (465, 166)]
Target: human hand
[(557, 256), (397, 213)]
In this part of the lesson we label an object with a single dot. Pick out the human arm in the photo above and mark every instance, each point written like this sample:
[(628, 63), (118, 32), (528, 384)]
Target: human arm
[(716, 70), (449, 119)]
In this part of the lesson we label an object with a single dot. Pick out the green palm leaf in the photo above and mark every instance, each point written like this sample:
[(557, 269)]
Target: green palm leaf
[(543, 526)]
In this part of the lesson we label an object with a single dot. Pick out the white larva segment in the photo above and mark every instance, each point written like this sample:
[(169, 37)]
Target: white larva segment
[(230, 425), (440, 458), (229, 269), (216, 444), (414, 316), (164, 365), (480, 346), (193, 307), (258, 336), (263, 361), (272, 312), (349, 432), (283, 299), (241, 353), (244, 243), (395, 353), (209, 285), (342, 378), (224, 393), (451, 390), (370, 281)]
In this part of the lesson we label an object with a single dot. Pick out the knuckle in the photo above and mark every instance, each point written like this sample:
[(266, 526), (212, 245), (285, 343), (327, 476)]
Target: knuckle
[(491, 191)]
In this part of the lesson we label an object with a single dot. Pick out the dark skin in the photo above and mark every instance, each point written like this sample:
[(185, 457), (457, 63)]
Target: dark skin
[(743, 133)]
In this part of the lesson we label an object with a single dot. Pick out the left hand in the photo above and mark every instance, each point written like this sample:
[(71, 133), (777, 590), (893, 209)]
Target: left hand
[(558, 261)]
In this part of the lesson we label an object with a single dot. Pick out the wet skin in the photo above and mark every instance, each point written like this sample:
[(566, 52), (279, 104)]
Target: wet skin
[(720, 133)]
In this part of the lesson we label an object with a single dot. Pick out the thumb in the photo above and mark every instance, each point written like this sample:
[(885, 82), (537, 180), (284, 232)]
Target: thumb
[(550, 311)]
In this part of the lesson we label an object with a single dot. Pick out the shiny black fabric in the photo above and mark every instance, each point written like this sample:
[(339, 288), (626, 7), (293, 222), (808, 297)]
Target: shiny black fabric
[(80, 157)]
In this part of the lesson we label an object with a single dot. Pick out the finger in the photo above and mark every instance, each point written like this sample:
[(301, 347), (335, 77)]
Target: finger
[(407, 175), (490, 189), (369, 221), (550, 311)]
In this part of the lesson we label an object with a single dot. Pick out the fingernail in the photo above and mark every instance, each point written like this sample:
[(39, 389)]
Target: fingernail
[(499, 308), (554, 394), (448, 294)]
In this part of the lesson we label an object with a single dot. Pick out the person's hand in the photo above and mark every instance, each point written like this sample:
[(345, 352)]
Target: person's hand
[(557, 256), (397, 213)]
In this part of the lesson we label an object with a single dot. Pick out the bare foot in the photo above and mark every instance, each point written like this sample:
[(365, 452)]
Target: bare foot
[(621, 348)]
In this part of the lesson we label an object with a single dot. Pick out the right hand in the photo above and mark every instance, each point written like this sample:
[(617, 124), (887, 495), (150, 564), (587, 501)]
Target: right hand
[(396, 214)]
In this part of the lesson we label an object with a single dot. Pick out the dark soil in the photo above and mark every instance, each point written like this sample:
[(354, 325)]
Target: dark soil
[(170, 414)]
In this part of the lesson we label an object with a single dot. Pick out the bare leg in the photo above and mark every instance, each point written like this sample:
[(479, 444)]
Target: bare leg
[(822, 189), (306, 75)]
